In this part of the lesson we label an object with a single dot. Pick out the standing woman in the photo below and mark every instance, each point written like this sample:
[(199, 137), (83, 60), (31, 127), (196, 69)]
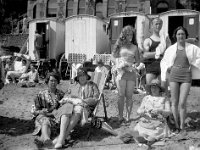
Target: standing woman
[(178, 59), (126, 56)]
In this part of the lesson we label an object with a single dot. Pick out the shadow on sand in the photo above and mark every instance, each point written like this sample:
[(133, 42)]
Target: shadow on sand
[(15, 127), (193, 121)]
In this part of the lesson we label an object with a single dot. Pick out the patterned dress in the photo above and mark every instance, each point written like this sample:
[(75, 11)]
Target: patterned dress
[(153, 126), (44, 101)]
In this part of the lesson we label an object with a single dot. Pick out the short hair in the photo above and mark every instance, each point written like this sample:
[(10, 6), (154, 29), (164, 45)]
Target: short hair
[(180, 28), (52, 74)]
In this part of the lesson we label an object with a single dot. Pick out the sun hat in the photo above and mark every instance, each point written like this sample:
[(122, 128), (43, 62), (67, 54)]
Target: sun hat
[(154, 82), (82, 72)]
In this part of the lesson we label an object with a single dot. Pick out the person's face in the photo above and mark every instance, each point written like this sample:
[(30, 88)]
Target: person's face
[(155, 90), (82, 79), (157, 25), (52, 82), (130, 37), (180, 35)]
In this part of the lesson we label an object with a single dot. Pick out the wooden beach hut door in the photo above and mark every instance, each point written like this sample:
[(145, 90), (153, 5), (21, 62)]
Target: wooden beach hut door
[(191, 23), (80, 36), (116, 27)]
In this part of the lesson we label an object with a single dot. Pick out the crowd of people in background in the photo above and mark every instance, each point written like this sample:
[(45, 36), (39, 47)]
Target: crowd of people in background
[(168, 77)]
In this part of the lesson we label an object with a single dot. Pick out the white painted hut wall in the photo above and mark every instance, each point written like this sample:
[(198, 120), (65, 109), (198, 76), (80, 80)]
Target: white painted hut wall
[(80, 36), (32, 28), (52, 40), (91, 40), (60, 39), (140, 30), (102, 39), (68, 37)]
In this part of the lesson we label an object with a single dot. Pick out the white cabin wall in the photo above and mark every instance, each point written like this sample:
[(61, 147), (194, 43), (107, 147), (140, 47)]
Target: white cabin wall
[(199, 31), (68, 37), (81, 36), (91, 40), (32, 28), (140, 32), (52, 40), (60, 39), (164, 28), (102, 39)]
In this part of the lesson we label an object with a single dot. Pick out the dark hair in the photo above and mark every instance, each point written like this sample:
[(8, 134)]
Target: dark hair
[(180, 28), (52, 74)]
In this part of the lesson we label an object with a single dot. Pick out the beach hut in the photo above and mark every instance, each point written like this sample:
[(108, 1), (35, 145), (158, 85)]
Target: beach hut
[(86, 34), (136, 19), (53, 33), (181, 17)]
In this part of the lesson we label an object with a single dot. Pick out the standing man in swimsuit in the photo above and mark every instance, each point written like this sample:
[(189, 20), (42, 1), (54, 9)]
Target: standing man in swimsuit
[(154, 48)]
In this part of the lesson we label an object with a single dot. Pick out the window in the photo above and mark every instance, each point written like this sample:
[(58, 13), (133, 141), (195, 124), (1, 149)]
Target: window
[(81, 7), (52, 8), (69, 9), (99, 9), (111, 7)]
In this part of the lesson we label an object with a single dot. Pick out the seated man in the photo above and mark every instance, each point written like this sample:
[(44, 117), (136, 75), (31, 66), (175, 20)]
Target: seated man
[(153, 111), (16, 73), (84, 104), (29, 79)]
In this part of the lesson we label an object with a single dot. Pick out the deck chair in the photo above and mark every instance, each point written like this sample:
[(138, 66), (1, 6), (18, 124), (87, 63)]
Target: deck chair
[(100, 79)]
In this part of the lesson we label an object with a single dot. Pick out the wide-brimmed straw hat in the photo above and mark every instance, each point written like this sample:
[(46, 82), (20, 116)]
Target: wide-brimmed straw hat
[(82, 72), (154, 82)]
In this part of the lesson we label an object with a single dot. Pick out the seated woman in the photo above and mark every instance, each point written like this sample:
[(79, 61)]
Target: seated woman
[(153, 111), (13, 74), (84, 104), (47, 110)]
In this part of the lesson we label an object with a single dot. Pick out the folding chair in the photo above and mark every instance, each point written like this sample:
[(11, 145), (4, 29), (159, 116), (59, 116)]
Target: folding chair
[(100, 79)]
